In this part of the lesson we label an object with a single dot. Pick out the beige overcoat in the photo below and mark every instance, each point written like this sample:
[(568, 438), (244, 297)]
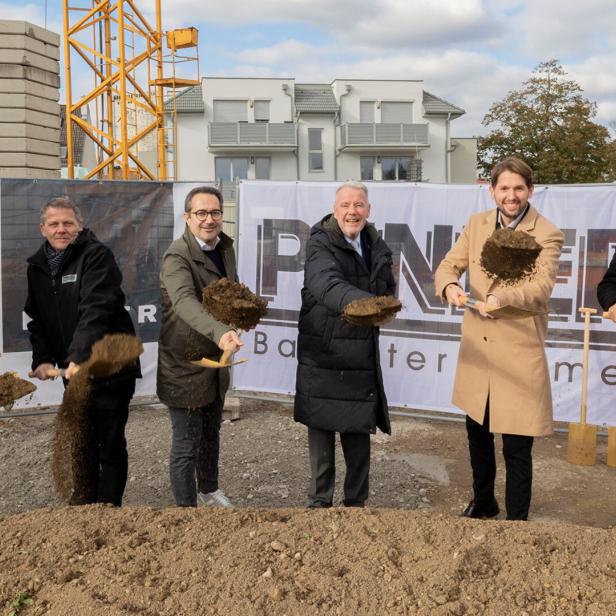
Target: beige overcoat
[(502, 358)]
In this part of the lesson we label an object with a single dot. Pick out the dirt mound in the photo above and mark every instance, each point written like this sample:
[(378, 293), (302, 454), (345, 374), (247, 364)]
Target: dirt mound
[(510, 256), (234, 303), (12, 388), (100, 560), (372, 310)]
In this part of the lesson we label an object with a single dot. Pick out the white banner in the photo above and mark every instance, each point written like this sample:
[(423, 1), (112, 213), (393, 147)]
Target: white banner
[(419, 349)]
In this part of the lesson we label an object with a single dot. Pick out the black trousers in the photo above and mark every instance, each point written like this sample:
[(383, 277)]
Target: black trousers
[(102, 475), (195, 449), (517, 451), (322, 448)]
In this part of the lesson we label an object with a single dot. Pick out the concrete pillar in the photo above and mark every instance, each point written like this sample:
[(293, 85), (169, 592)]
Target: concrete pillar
[(29, 108)]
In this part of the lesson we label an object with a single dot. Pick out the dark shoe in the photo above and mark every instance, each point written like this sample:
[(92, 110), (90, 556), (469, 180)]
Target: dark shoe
[(477, 511)]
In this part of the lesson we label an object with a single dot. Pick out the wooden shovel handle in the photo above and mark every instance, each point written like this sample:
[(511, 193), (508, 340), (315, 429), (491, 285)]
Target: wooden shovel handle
[(52, 373), (226, 354), (587, 312)]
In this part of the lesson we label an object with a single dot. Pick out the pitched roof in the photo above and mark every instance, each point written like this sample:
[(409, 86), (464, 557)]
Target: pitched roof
[(435, 105), (315, 98), (189, 100)]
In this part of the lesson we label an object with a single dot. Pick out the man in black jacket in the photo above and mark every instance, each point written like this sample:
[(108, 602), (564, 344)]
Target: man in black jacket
[(339, 382), (74, 299), (606, 290)]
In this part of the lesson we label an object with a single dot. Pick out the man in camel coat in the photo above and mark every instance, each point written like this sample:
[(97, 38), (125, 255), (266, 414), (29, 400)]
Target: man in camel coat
[(502, 381)]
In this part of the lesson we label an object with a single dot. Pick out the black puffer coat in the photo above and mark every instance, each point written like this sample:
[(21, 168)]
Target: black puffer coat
[(77, 307), (339, 382)]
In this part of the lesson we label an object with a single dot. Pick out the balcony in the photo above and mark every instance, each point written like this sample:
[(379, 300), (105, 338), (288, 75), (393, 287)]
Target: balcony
[(384, 137), (256, 136)]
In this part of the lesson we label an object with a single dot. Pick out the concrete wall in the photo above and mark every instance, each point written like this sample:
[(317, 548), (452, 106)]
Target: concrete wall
[(29, 108), (464, 160), (326, 123), (434, 163), (378, 91), (193, 159), (281, 105)]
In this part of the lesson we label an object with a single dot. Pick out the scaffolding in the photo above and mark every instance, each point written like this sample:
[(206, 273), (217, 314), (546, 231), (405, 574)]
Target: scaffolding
[(136, 71)]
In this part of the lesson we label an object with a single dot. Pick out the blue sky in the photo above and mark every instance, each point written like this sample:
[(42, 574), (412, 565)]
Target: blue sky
[(470, 52)]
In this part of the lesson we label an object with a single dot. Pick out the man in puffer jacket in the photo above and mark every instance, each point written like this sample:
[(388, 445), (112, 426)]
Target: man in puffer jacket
[(339, 382)]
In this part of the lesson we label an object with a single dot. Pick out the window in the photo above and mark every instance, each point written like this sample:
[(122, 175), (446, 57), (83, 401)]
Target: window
[(230, 169), (396, 169), (366, 112), (230, 111), (396, 112), (315, 149), (262, 111), (367, 167), (262, 168)]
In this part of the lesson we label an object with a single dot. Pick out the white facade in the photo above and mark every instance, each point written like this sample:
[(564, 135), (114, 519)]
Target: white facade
[(276, 129)]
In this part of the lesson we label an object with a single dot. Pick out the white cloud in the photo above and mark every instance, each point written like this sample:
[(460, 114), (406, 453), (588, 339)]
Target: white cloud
[(33, 13), (407, 23), (286, 52), (26, 12), (553, 28), (470, 52), (399, 23)]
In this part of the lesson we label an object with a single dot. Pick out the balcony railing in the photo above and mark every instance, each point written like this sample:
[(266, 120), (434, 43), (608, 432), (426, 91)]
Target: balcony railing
[(275, 135), (372, 134)]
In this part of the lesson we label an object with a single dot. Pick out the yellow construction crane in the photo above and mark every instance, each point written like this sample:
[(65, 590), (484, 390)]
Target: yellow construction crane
[(129, 114)]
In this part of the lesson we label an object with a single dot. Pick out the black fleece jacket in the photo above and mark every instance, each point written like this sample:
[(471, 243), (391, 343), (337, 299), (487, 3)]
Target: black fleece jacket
[(76, 307)]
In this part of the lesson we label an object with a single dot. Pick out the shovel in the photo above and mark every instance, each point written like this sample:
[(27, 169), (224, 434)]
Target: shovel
[(502, 312), (611, 431), (52, 373), (582, 443), (223, 362)]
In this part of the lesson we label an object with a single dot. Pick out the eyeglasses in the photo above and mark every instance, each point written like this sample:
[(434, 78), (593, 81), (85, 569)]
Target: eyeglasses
[(202, 215)]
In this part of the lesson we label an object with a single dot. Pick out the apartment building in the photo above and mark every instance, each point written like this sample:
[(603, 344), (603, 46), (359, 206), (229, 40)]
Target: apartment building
[(276, 129)]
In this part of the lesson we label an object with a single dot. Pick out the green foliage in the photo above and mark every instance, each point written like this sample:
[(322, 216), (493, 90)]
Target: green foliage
[(22, 600), (548, 123)]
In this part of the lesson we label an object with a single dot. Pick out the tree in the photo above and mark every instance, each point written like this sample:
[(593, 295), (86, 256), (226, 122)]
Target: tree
[(548, 123)]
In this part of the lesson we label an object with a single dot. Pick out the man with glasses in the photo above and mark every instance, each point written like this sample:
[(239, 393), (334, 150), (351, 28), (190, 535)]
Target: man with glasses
[(195, 395)]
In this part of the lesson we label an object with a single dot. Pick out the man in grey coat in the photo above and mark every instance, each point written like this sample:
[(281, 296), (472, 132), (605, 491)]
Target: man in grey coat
[(195, 395)]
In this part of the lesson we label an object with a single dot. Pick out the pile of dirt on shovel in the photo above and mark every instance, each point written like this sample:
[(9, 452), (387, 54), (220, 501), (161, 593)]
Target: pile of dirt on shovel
[(234, 304), (12, 388), (112, 353), (98, 560), (510, 256), (372, 310)]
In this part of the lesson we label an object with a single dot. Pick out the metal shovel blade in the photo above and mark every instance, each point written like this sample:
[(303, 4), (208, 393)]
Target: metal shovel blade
[(503, 312)]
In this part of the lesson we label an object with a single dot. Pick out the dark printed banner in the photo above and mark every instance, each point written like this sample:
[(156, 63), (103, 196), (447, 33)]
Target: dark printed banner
[(134, 219)]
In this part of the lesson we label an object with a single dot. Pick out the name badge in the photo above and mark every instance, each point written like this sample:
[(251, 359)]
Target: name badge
[(69, 278)]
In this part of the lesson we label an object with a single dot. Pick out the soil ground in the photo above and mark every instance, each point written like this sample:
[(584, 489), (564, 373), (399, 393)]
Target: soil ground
[(409, 553)]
